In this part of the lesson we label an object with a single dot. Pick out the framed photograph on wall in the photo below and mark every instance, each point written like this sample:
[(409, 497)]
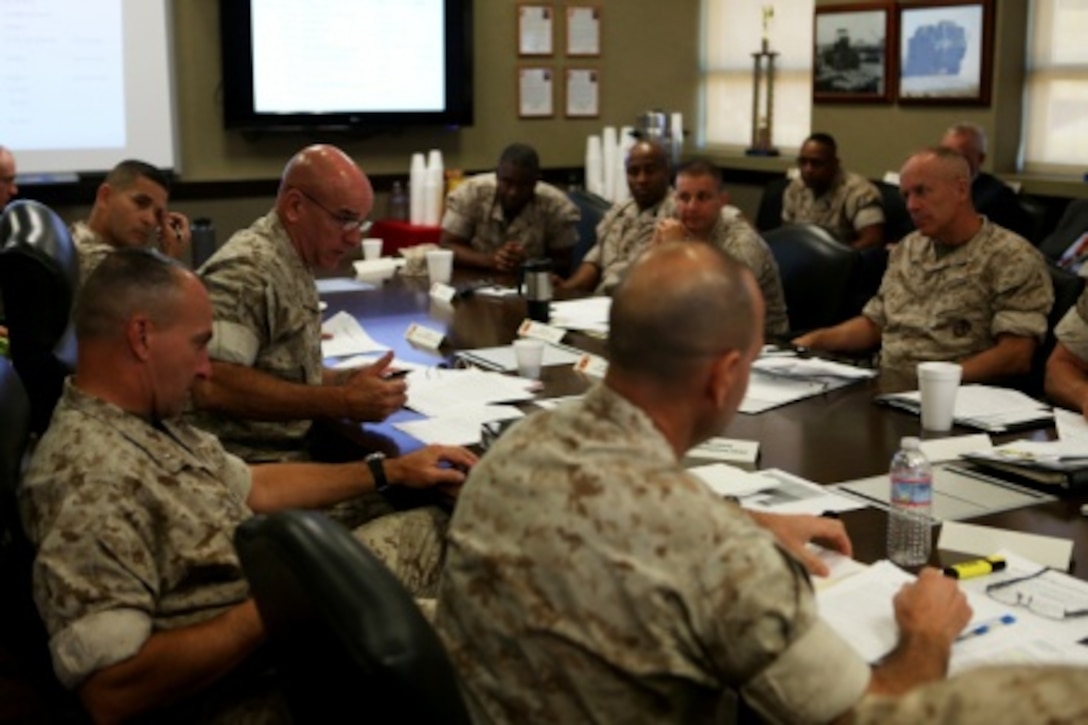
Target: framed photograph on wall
[(853, 62), (536, 92), (946, 52), (583, 93)]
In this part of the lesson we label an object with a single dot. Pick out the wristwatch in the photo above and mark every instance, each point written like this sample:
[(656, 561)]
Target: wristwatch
[(377, 471)]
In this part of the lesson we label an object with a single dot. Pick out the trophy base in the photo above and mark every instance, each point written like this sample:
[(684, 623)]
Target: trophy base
[(761, 152)]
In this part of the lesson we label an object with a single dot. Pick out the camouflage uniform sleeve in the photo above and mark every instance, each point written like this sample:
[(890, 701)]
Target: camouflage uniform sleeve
[(241, 304), (866, 206), (987, 695), (95, 585), (595, 255), (789, 203), (792, 667), (1072, 331), (1023, 295), (462, 208)]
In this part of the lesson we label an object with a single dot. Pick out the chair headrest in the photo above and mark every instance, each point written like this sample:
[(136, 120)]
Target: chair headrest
[(31, 229)]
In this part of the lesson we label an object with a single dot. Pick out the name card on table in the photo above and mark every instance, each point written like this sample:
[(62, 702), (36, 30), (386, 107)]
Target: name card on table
[(591, 365), (443, 292), (424, 337), (541, 331), (742, 454)]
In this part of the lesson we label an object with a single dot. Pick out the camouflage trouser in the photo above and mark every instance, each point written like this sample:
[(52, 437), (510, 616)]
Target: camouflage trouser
[(412, 544)]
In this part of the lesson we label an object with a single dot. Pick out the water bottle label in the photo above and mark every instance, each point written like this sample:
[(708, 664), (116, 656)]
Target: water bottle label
[(911, 492)]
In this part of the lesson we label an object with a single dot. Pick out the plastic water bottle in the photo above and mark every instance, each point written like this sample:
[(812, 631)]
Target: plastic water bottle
[(911, 499), (398, 203)]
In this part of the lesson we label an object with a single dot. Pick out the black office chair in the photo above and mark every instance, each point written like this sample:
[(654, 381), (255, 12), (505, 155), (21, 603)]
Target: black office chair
[(816, 271), (1034, 215), (897, 222), (39, 274), (769, 214), (344, 633), (24, 631), (593, 209), (1071, 226)]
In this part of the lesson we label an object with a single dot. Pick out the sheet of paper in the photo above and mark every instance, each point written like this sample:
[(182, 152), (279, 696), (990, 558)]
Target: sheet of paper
[(957, 493), (790, 494), (460, 428), (497, 291), (726, 480), (985, 540), (436, 396), (950, 449), (346, 337), (1072, 429), (333, 285), (729, 450), (359, 361), (503, 358), (551, 403), (766, 392), (590, 313), (811, 368)]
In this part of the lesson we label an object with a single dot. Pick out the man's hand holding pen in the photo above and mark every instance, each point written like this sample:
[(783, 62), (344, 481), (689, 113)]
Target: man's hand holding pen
[(175, 234)]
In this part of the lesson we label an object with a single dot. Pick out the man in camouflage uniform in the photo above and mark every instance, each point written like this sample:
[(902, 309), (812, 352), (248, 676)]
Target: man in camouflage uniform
[(130, 211), (1067, 368), (590, 578), (959, 288), (1012, 694), (269, 383), (628, 227), (700, 201), (846, 204), (132, 511), (499, 220)]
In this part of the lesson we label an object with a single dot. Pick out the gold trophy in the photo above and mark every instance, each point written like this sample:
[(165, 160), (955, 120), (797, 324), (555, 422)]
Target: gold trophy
[(763, 102)]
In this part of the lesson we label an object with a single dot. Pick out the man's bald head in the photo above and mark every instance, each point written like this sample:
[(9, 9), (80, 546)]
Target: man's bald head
[(323, 201), (936, 186), (647, 167), (679, 306), (8, 189)]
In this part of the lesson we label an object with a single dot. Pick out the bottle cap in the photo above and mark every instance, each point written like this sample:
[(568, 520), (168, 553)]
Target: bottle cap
[(911, 442)]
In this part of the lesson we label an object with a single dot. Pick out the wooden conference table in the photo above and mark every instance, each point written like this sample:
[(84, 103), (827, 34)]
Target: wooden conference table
[(837, 436)]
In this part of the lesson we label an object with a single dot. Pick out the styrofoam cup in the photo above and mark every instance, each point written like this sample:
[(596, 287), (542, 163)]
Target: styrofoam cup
[(372, 248), (938, 383), (530, 355), (440, 265)]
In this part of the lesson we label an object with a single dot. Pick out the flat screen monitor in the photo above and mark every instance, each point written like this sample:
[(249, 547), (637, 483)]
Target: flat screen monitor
[(296, 64)]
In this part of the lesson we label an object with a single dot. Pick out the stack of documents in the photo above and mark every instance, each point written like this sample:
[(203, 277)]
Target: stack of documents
[(458, 402), (777, 380), (1063, 462), (983, 406), (589, 314)]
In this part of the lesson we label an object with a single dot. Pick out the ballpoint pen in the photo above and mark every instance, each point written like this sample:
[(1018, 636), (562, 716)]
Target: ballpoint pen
[(987, 626)]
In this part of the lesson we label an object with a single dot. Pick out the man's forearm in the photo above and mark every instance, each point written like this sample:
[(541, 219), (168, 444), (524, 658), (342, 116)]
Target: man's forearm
[(243, 392), (869, 237), (585, 278), (915, 661), (173, 664), (1067, 379), (857, 334), (279, 486), (1010, 356)]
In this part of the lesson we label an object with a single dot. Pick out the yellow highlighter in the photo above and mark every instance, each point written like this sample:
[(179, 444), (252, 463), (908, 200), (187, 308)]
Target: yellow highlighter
[(975, 567)]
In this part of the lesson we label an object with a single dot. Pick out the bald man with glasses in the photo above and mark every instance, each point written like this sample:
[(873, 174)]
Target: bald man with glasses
[(268, 383)]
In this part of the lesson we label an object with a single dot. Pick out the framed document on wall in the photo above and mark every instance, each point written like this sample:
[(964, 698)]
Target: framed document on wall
[(583, 30), (536, 92), (536, 30), (583, 93)]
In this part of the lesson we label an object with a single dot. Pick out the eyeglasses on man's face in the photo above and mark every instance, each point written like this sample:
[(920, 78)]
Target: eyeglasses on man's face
[(347, 222)]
